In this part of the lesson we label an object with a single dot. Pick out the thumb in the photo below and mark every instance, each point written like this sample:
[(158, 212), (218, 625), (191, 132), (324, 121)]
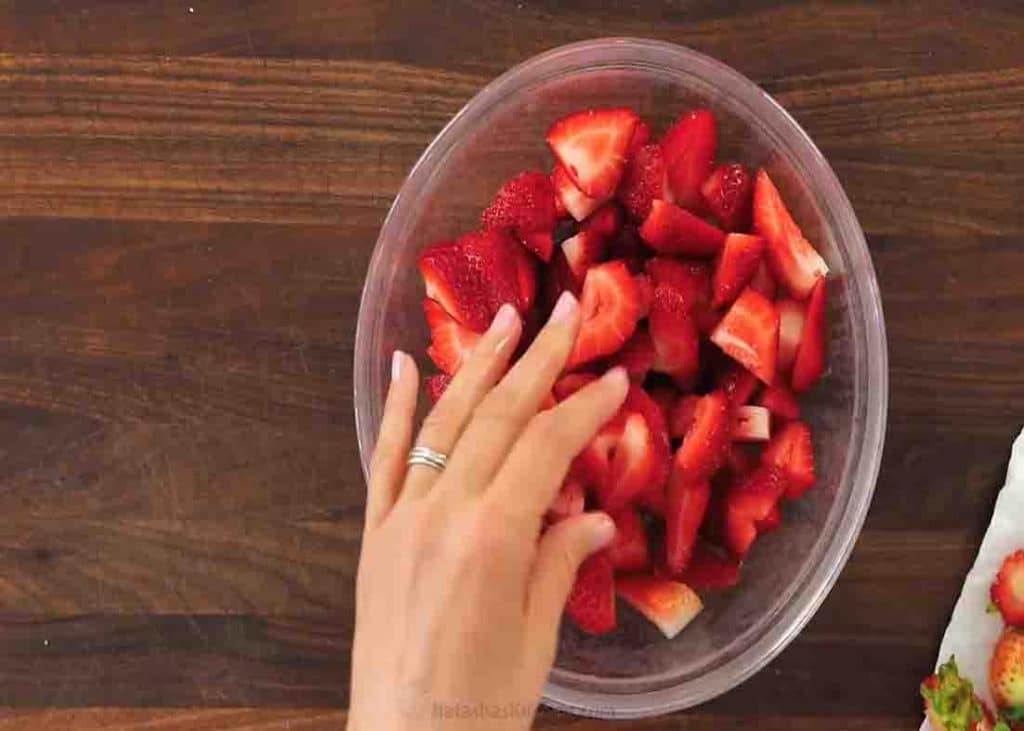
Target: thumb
[(561, 551)]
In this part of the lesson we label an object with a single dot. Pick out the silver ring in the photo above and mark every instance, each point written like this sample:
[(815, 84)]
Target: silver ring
[(427, 457)]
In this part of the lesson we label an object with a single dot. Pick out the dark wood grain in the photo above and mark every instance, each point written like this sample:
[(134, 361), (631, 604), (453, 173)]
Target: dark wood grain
[(188, 202)]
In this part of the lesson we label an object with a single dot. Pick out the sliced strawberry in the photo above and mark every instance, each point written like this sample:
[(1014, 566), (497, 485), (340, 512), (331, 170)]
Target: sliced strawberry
[(570, 383), (791, 451), (773, 521), (641, 136), (637, 355), (1007, 590), (666, 398), (646, 290), (685, 505), (628, 551), (748, 503), (781, 402), (670, 229), (810, 356), (610, 307), (591, 146), (583, 251), (526, 277), (451, 343), (558, 278), (568, 503), (633, 464), (735, 267), (627, 246), (689, 146), (638, 401), (643, 182), (593, 465), (709, 568), (605, 221), (729, 192), (693, 280), (575, 202), (751, 424), (737, 383), (669, 605), (763, 281), (436, 386), (591, 603), (794, 262), (707, 439), (791, 328), (675, 336), (525, 205), (683, 413), (749, 334)]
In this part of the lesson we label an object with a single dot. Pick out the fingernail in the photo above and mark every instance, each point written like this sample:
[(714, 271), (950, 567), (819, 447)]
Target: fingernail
[(396, 364), (565, 308), (618, 376), (602, 531), (506, 319)]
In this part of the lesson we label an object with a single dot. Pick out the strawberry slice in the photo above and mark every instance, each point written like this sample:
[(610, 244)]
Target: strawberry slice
[(653, 496), (610, 307), (791, 451), (472, 277), (751, 424), (686, 503), (637, 355), (591, 603), (791, 329), (633, 464), (773, 521), (526, 277), (682, 416), (675, 336), (641, 136), (628, 551), (669, 605), (666, 398), (693, 280), (593, 465), (451, 343), (810, 356), (748, 503), (591, 146), (670, 229), (1007, 590), (646, 289), (575, 202), (526, 206), (605, 221), (710, 568), (689, 146), (436, 386), (568, 502), (735, 267), (643, 182), (781, 402), (706, 440), (749, 334), (729, 192), (737, 383), (794, 262), (582, 251), (558, 278), (570, 383), (763, 281)]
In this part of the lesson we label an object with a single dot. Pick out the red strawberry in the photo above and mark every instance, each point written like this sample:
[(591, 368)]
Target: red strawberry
[(791, 450), (706, 440), (793, 261), (693, 280), (751, 424), (675, 336), (735, 267), (810, 356), (638, 401), (591, 146), (582, 251), (645, 288), (748, 503), (643, 182), (1008, 589), (682, 416), (593, 465), (575, 202), (610, 309), (729, 192), (637, 355), (669, 605), (558, 278), (773, 521), (791, 328), (526, 277), (763, 281), (605, 221), (666, 398), (1006, 673), (689, 146), (570, 383), (591, 603), (641, 136), (526, 206), (451, 343), (710, 569), (685, 506), (633, 464), (781, 402), (472, 277), (628, 551), (436, 386), (737, 383), (670, 229), (568, 502), (749, 333)]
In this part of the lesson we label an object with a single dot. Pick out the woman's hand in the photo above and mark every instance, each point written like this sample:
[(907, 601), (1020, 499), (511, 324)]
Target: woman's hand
[(458, 595)]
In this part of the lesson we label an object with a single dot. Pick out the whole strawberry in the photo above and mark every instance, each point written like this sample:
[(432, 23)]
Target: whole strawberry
[(1006, 674), (1008, 590)]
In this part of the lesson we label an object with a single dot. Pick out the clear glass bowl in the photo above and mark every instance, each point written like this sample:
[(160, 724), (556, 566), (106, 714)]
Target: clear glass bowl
[(635, 671)]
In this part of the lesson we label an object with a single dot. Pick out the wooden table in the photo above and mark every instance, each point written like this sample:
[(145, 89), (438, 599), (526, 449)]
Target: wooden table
[(190, 191)]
